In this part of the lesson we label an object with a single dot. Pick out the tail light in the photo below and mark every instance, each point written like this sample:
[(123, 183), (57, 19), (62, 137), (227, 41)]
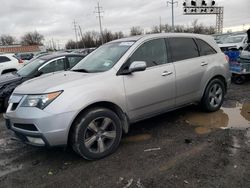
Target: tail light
[(20, 61), (227, 58)]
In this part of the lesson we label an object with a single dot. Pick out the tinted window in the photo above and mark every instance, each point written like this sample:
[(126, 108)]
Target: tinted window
[(4, 59), (74, 60), (54, 66), (183, 48), (205, 48), (152, 52)]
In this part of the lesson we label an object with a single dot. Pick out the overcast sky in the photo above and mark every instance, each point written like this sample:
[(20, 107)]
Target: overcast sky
[(53, 18)]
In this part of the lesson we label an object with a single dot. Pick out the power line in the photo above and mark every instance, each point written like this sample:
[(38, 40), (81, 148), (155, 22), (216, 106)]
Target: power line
[(99, 11)]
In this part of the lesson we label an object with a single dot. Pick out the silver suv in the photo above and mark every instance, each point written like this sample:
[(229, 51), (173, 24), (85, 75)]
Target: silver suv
[(122, 82)]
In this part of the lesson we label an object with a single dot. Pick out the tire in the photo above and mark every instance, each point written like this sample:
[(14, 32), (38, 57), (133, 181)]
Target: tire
[(96, 133), (214, 95), (239, 79)]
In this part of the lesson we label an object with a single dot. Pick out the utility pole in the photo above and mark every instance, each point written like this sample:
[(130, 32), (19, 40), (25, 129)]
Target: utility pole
[(172, 2), (99, 11), (80, 30), (75, 29), (160, 25)]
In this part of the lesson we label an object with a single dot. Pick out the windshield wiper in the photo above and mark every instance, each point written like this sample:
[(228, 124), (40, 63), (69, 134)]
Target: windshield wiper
[(80, 70)]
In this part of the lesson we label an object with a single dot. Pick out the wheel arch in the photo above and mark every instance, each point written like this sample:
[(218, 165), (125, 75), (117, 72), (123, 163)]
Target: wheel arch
[(220, 77), (103, 104), (8, 70)]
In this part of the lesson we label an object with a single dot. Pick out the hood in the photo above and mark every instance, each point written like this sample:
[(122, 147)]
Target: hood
[(9, 78), (225, 45), (54, 82)]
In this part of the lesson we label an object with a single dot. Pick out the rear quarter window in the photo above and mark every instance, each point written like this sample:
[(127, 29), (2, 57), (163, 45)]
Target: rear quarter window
[(183, 48), (4, 59), (205, 48)]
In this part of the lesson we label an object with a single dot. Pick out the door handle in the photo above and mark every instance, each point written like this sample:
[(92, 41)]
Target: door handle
[(204, 63), (166, 73)]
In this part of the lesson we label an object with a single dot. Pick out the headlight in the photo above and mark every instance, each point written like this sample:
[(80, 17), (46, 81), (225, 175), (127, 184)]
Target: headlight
[(40, 101)]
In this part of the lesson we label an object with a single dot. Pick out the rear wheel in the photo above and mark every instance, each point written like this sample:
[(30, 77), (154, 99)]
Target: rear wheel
[(213, 96), (96, 134)]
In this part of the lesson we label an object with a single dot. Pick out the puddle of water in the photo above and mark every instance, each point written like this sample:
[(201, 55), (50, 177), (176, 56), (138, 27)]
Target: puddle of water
[(137, 138), (237, 117)]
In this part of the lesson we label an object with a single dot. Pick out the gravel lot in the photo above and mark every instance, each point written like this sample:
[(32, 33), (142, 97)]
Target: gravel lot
[(184, 148)]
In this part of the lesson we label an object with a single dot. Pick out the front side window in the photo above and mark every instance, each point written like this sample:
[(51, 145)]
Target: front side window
[(54, 66), (153, 52), (4, 59), (183, 48), (205, 48)]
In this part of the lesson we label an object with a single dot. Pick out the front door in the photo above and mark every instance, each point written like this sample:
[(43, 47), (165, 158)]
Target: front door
[(153, 90)]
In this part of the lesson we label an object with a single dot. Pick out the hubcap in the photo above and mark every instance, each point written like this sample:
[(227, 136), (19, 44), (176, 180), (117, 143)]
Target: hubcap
[(215, 95), (100, 135)]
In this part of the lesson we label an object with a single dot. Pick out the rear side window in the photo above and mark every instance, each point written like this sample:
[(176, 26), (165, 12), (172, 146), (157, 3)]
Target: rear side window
[(205, 48), (4, 59), (153, 52), (183, 48)]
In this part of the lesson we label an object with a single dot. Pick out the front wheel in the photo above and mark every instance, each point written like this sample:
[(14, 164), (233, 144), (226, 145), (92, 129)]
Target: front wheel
[(213, 96), (96, 134)]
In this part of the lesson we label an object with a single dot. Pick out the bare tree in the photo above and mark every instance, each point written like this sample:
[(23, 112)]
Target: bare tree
[(32, 38), (7, 40), (136, 30)]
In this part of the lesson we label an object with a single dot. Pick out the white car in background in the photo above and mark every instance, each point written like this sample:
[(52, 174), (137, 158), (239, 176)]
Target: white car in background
[(9, 63), (238, 42)]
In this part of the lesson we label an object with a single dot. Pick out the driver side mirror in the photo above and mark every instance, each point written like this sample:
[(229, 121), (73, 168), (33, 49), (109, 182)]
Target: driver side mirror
[(137, 66)]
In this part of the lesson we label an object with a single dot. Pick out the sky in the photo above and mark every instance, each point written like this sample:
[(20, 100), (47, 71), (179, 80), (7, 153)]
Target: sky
[(54, 18)]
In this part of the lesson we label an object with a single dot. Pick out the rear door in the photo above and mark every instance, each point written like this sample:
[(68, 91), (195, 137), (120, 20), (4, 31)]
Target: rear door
[(153, 90), (189, 68)]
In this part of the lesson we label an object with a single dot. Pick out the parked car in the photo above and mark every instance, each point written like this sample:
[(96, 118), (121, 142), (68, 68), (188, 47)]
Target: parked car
[(9, 63), (25, 56), (238, 42), (246, 52), (37, 67), (121, 82)]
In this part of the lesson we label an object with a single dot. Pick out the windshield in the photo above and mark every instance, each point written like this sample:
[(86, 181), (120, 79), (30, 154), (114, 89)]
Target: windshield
[(235, 39), (103, 58), (30, 68)]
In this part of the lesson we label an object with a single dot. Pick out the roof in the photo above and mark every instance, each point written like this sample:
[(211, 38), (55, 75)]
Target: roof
[(19, 49), (148, 36), (52, 56)]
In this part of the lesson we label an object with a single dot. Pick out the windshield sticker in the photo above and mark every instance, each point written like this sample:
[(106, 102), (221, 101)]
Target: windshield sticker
[(106, 64), (126, 43)]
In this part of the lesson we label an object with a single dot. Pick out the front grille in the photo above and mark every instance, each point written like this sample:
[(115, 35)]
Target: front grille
[(28, 127)]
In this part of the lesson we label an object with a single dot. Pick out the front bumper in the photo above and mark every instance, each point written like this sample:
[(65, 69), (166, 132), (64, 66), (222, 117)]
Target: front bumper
[(38, 127)]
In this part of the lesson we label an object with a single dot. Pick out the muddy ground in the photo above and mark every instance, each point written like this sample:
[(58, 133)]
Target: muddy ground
[(184, 148)]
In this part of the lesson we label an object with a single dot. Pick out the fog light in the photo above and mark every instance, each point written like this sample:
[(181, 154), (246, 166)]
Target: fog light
[(38, 141)]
